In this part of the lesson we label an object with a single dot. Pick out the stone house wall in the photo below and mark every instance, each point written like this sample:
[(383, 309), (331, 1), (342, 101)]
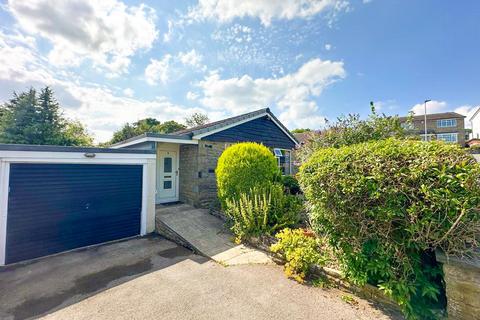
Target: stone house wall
[(188, 174), (198, 185)]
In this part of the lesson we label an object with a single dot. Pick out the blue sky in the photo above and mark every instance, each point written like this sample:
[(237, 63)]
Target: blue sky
[(112, 62)]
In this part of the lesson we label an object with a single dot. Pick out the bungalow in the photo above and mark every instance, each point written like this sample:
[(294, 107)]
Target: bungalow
[(186, 160), (55, 199)]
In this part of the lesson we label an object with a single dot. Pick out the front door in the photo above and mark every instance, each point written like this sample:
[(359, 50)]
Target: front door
[(167, 174)]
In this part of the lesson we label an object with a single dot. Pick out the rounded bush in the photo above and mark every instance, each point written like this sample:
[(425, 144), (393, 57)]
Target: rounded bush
[(244, 166), (388, 205)]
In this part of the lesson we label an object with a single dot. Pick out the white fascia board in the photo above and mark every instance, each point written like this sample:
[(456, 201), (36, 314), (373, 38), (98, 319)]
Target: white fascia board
[(154, 139), (206, 134), (74, 157)]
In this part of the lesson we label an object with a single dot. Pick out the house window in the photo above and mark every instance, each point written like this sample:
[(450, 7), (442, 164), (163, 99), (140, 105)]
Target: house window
[(446, 123), (430, 137), (448, 137), (284, 160)]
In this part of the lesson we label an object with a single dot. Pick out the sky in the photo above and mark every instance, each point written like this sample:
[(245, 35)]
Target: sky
[(111, 62)]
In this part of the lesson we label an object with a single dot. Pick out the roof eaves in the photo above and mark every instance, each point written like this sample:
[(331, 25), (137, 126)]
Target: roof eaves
[(154, 135)]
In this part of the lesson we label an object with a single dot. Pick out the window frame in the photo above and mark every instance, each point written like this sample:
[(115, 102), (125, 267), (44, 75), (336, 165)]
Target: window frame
[(447, 123), (450, 134), (284, 151)]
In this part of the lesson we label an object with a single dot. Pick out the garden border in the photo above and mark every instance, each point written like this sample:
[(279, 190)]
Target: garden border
[(367, 291)]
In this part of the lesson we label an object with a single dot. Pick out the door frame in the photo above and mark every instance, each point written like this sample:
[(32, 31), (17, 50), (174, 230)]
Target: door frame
[(168, 147)]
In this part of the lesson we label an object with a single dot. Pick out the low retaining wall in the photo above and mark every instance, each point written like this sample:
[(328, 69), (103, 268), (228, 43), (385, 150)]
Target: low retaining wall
[(462, 281)]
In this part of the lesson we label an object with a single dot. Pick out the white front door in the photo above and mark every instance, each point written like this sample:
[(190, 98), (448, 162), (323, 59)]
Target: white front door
[(167, 176)]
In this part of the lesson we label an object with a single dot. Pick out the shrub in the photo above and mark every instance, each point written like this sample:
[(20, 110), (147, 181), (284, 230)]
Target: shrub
[(300, 251), (387, 205), (263, 210), (242, 167), (290, 184)]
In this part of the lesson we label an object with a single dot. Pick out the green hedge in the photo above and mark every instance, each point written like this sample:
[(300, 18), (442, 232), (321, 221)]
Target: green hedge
[(387, 205), (243, 166)]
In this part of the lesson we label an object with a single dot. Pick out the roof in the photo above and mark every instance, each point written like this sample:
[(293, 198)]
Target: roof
[(435, 116), (304, 136), (212, 127), (43, 148), (222, 123)]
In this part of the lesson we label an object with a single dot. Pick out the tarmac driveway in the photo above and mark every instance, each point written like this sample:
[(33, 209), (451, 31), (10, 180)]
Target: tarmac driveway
[(152, 278)]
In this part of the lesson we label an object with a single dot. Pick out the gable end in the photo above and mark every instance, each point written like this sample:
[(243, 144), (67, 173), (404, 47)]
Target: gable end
[(261, 130)]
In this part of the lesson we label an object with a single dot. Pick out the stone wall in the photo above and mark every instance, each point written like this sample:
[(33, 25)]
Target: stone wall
[(188, 174), (208, 154), (198, 185), (462, 281)]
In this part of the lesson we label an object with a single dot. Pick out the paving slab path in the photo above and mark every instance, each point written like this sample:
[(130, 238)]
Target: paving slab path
[(206, 234)]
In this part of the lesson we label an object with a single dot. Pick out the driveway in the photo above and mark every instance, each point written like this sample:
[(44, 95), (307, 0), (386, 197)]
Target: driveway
[(151, 278)]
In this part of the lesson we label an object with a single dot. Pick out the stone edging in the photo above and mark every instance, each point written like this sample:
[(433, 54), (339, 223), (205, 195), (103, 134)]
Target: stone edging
[(367, 291)]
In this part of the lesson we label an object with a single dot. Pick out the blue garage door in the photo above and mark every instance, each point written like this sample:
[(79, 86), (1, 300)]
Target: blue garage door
[(58, 207)]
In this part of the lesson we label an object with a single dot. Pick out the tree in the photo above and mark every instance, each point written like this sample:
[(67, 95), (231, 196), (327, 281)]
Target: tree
[(348, 130), (142, 126), (170, 127), (301, 130), (75, 134), (196, 119), (31, 118)]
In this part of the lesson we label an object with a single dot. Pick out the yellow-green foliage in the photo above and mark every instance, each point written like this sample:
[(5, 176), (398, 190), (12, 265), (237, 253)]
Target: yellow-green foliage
[(300, 251), (262, 210), (242, 167)]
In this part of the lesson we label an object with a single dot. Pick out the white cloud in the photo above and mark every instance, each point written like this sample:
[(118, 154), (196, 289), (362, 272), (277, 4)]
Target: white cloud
[(168, 35), (191, 58), (328, 46), (104, 112), (158, 70), (292, 94), (266, 11), (95, 106), (385, 105), (106, 32), (192, 95), (173, 66), (433, 106), (128, 92)]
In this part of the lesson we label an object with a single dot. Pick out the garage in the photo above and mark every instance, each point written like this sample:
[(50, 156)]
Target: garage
[(72, 198)]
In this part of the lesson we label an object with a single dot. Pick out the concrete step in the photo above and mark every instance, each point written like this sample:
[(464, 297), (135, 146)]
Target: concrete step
[(206, 234)]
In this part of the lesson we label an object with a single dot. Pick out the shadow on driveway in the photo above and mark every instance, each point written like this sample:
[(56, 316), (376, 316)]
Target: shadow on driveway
[(35, 288)]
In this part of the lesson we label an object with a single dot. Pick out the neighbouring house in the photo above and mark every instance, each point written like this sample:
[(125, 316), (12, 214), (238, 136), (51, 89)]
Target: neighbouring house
[(474, 138), (446, 126), (186, 160), (55, 199)]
